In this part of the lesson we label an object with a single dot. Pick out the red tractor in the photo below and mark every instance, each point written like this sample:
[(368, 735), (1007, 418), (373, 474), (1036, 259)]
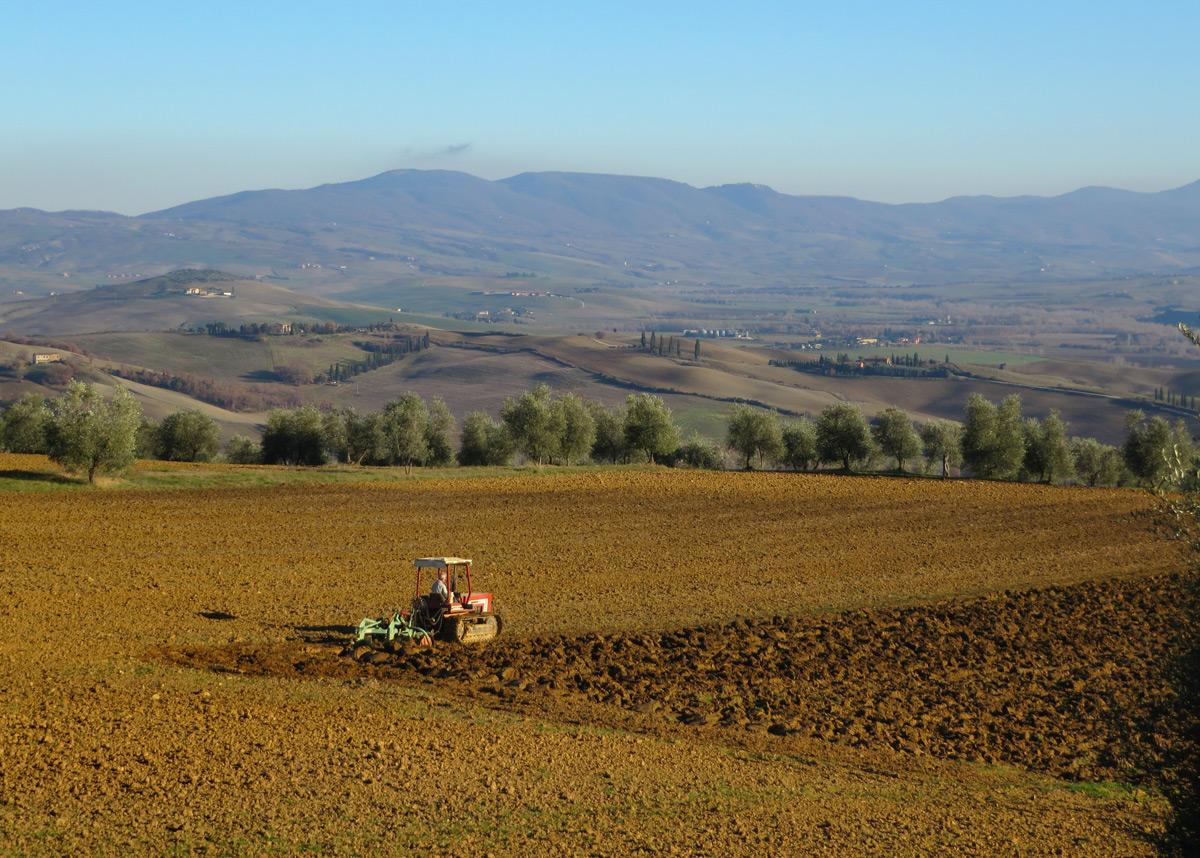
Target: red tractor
[(445, 613)]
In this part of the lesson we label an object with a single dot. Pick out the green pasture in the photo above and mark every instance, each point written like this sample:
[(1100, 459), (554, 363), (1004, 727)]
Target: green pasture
[(181, 353), (981, 357)]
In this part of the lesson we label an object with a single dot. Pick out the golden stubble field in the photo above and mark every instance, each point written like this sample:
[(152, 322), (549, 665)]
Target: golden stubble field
[(129, 727)]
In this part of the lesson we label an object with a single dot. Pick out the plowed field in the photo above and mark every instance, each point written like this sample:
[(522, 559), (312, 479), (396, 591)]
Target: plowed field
[(692, 663)]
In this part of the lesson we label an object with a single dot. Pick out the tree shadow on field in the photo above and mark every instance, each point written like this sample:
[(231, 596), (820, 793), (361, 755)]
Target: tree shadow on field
[(39, 477), (328, 634)]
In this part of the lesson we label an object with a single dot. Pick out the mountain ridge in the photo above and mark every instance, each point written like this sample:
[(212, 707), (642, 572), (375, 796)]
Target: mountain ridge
[(454, 223)]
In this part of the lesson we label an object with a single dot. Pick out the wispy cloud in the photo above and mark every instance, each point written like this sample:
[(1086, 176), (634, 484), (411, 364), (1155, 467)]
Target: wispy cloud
[(449, 151)]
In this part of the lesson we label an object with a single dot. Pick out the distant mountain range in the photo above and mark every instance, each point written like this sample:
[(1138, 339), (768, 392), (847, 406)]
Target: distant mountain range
[(609, 228)]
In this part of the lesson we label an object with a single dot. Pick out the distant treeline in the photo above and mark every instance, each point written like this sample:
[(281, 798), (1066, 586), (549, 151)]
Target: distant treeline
[(231, 396), (257, 330), (46, 343), (1174, 397), (893, 366), (379, 354), (200, 275), (668, 346)]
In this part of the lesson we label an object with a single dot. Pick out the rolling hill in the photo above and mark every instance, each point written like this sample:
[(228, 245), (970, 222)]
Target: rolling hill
[(182, 299), (473, 372)]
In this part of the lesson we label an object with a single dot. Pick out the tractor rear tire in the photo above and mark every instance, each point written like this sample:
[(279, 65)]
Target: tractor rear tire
[(474, 630)]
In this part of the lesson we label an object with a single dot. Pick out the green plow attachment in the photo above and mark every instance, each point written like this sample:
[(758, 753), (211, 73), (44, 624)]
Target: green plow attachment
[(400, 626)]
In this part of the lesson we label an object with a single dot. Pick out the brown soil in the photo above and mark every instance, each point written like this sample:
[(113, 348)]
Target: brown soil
[(1074, 683), (692, 664)]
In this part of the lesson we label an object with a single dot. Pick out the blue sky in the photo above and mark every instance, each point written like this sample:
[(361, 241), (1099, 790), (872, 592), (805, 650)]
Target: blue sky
[(136, 106)]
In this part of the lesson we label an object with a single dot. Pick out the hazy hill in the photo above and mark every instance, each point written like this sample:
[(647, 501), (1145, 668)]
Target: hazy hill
[(1146, 226), (606, 227)]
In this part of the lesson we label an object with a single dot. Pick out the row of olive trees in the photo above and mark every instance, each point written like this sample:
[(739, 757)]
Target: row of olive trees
[(541, 428), (570, 430), (993, 442), (80, 430), (407, 432), (840, 435), (997, 443), (89, 434)]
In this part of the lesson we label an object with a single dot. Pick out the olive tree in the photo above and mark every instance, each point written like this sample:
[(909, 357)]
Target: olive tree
[(1097, 464), (609, 444), (940, 443), (649, 427), (145, 443), (843, 435), (188, 436), (365, 443), (23, 428), (89, 434), (293, 438), (242, 451), (993, 438), (700, 453), (753, 434), (799, 444), (1147, 443), (404, 424), (438, 427), (1180, 514), (484, 441), (1047, 453), (897, 438), (536, 429), (577, 428), (333, 431)]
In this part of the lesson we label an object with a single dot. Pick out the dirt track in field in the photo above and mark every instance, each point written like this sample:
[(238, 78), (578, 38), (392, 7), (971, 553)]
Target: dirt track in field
[(696, 663)]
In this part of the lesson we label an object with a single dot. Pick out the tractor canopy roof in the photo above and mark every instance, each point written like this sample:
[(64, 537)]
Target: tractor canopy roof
[(439, 562)]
